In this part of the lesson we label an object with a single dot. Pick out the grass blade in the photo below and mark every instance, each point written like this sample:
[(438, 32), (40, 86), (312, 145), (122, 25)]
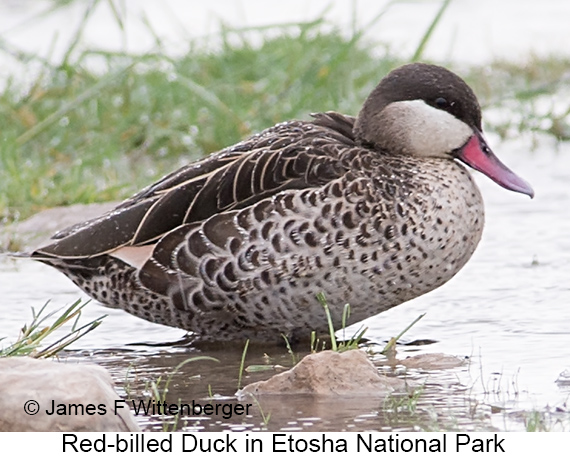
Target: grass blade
[(241, 367), (32, 336), (323, 301), (428, 33), (79, 32), (390, 345)]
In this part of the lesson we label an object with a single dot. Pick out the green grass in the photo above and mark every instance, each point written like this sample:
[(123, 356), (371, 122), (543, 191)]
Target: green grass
[(345, 344), (390, 348), (531, 96), (78, 135), (242, 364), (159, 391), (397, 403), (33, 335)]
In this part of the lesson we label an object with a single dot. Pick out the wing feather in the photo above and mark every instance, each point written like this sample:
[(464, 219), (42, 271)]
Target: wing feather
[(293, 155)]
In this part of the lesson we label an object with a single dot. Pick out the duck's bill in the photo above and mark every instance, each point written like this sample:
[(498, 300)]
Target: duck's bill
[(479, 156)]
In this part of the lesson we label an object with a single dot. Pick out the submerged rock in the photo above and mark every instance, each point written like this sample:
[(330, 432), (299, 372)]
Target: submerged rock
[(38, 395), (331, 373), (435, 361)]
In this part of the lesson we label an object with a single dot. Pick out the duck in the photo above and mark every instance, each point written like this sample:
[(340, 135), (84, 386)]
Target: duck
[(372, 211)]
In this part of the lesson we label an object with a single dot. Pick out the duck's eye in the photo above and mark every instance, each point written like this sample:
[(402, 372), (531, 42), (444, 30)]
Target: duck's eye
[(441, 102)]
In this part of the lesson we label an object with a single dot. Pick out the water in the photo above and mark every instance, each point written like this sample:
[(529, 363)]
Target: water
[(507, 312)]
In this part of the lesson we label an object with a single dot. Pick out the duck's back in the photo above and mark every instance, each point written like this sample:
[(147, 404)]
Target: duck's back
[(292, 155)]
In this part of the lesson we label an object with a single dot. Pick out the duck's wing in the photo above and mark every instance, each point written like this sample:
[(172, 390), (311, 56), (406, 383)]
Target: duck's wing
[(291, 155)]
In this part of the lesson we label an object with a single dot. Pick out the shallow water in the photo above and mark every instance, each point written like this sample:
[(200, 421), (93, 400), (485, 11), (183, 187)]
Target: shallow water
[(507, 313)]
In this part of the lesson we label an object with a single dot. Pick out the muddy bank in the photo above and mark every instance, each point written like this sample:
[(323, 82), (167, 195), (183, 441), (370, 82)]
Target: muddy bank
[(38, 229)]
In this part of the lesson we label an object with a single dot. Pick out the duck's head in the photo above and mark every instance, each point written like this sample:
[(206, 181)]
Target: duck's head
[(428, 111)]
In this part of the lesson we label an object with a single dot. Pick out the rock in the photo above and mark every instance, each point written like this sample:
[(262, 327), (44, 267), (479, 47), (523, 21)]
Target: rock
[(328, 373), (435, 361), (24, 381)]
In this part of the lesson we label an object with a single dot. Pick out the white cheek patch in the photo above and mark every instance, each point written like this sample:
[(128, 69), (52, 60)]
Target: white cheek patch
[(429, 131)]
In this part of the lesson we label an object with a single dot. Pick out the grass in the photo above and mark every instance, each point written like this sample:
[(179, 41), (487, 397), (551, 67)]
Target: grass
[(242, 364), (160, 391), (315, 345), (339, 346), (525, 97), (79, 135), (407, 403), (546, 421), (535, 422), (428, 33), (390, 348), (294, 358), (32, 336), (76, 135)]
